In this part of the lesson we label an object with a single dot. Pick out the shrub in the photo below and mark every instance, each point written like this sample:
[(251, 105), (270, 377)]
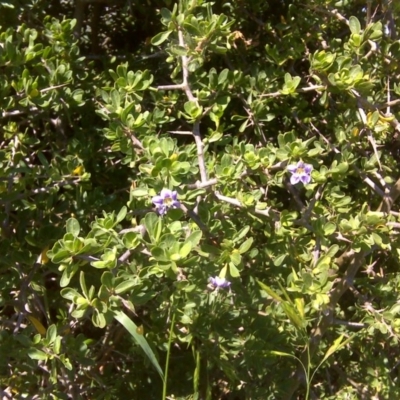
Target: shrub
[(199, 200)]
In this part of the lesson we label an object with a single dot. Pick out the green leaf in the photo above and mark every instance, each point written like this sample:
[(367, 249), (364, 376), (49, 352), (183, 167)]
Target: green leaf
[(57, 345), (185, 249), (245, 246), (73, 227), (235, 257), (51, 334), (377, 239), (280, 353), (175, 257), (121, 215), (83, 284), (354, 25), (116, 98), (60, 256), (139, 192), (150, 221), (108, 259), (125, 286), (270, 292), (194, 238), (158, 230), (131, 240), (293, 315), (178, 50), (98, 319), (223, 76), (243, 232), (107, 279), (68, 273), (70, 294), (329, 228), (332, 250), (132, 328), (193, 109), (233, 271), (160, 38), (337, 345), (279, 260), (36, 354), (166, 14), (159, 254)]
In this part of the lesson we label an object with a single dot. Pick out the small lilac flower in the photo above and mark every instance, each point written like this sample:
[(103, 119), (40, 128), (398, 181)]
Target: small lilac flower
[(166, 200), (218, 282), (300, 172)]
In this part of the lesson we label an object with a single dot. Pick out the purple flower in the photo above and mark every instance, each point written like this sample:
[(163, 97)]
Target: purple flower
[(166, 200), (218, 282), (300, 173)]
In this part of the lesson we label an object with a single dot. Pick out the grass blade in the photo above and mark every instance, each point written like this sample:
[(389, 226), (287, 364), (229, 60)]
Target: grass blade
[(132, 328)]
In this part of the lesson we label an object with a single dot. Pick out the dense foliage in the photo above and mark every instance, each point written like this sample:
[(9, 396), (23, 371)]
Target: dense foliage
[(198, 199)]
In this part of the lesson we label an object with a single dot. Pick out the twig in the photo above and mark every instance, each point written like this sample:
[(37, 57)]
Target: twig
[(136, 141), (369, 182), (299, 90), (339, 16), (382, 181), (55, 87), (277, 166), (189, 94), (202, 185), (181, 132), (349, 323), (196, 219), (85, 257), (171, 87), (16, 113), (234, 202), (137, 229), (124, 256), (388, 200), (393, 224)]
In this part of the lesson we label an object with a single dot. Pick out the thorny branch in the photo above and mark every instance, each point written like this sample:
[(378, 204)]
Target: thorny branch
[(189, 94), (234, 202)]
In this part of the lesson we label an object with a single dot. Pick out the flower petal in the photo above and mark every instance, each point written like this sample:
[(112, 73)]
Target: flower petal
[(166, 193), (157, 200), (308, 168), (295, 178), (305, 178), (162, 209), (219, 282), (176, 204), (292, 168), (300, 164)]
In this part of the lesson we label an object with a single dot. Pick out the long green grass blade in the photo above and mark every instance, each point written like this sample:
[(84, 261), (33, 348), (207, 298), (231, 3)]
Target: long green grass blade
[(132, 328)]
